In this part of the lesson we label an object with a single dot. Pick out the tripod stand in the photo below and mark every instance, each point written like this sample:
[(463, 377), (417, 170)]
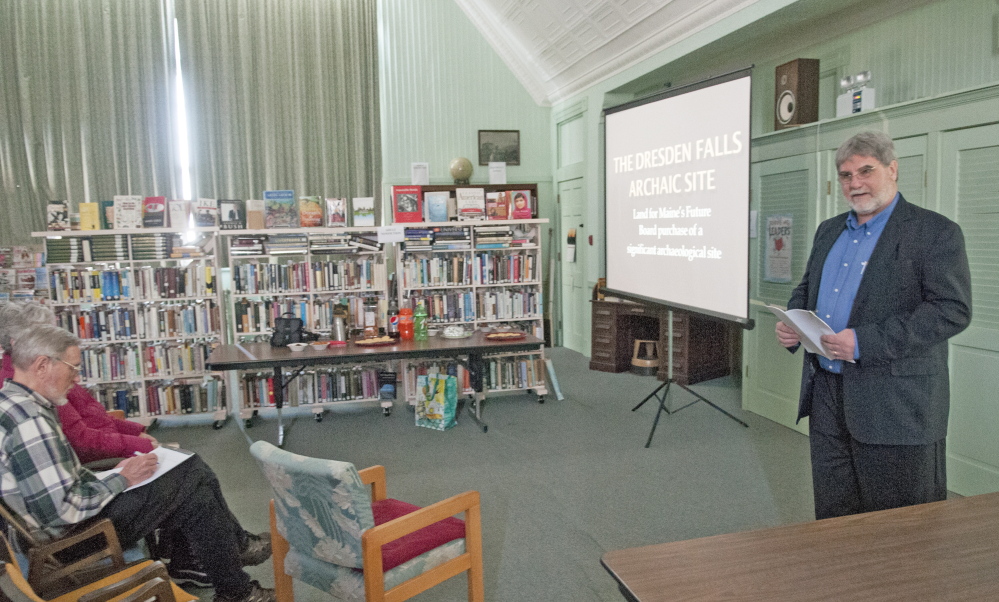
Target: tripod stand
[(665, 386), (663, 407)]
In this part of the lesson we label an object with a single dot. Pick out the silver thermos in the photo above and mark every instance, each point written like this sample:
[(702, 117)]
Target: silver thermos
[(339, 333)]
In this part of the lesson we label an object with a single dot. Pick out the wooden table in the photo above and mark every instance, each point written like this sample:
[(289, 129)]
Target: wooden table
[(941, 551), (257, 356)]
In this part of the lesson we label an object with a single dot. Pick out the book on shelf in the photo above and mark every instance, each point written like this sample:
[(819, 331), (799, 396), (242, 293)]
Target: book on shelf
[(22, 257), (26, 279), (90, 216), (364, 240), (497, 205), (363, 211), (407, 204), (470, 202), (436, 204), (154, 212), (310, 212), (247, 245), (8, 279), (127, 212), (255, 214), (57, 215), (336, 212), (206, 213), (232, 214), (520, 204), (106, 214), (179, 211), (280, 208)]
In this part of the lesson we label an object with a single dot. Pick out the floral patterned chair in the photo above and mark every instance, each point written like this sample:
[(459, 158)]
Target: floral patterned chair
[(329, 532)]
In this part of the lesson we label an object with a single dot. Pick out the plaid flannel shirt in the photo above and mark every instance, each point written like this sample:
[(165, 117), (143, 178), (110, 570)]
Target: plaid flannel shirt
[(41, 478)]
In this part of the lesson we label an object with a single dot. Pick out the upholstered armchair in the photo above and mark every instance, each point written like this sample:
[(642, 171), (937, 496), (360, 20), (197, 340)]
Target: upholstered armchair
[(330, 532)]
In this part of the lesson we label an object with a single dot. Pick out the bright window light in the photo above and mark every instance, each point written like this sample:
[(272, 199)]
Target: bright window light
[(183, 150)]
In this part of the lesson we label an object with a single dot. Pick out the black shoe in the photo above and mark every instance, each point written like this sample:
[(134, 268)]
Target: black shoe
[(188, 575), (257, 550), (257, 594)]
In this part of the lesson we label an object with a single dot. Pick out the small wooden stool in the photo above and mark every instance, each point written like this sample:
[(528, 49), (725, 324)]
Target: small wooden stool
[(645, 359)]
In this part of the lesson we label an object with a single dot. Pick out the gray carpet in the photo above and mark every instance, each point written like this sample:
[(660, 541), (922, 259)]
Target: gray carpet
[(562, 483)]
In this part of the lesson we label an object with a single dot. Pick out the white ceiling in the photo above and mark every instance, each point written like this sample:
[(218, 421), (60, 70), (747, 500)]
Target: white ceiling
[(557, 48)]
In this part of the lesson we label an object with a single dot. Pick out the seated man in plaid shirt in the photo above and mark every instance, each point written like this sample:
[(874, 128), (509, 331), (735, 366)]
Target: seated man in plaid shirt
[(42, 480)]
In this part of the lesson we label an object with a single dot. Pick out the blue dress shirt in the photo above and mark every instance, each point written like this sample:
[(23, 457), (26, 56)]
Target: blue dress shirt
[(842, 273)]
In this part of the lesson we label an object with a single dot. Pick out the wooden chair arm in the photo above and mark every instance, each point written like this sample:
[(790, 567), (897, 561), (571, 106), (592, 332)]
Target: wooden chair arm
[(374, 538), (154, 582), (45, 569), (119, 414), (375, 476)]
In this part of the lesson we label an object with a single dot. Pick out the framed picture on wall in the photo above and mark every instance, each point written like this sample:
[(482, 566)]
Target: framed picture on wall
[(499, 145)]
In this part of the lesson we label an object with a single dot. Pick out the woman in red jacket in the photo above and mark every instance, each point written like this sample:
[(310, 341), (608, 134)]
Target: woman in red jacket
[(92, 432)]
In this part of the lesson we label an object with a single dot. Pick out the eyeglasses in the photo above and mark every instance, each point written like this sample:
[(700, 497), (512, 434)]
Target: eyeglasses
[(861, 174), (77, 369)]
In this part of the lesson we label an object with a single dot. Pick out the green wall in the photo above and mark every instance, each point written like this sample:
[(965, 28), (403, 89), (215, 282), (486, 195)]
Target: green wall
[(440, 83)]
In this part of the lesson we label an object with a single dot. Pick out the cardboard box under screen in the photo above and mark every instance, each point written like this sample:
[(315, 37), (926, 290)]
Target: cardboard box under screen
[(677, 169)]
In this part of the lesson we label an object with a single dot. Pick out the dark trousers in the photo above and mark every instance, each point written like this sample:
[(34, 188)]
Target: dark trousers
[(186, 502), (850, 477)]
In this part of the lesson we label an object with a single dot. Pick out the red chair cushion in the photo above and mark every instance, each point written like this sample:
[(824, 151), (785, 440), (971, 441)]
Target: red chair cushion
[(418, 542)]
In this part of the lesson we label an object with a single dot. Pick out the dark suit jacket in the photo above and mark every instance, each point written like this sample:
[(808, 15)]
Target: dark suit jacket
[(914, 295)]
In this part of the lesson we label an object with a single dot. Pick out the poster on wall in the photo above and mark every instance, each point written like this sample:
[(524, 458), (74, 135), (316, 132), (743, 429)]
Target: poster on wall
[(777, 256)]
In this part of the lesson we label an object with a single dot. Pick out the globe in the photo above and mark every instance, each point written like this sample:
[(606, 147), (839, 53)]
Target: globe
[(461, 170)]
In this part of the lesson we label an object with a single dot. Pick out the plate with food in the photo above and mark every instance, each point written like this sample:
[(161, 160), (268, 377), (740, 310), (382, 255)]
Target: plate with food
[(375, 342), (506, 335), (297, 346)]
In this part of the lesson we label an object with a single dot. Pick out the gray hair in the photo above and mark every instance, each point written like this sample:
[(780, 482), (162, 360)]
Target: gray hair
[(46, 340), (10, 318), (15, 318), (867, 144)]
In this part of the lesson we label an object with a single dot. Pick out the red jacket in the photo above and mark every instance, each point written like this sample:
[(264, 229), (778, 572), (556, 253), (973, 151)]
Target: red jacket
[(93, 434)]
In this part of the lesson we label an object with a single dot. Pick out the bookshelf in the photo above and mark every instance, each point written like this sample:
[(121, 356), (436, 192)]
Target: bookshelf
[(484, 274), (306, 272), (145, 304)]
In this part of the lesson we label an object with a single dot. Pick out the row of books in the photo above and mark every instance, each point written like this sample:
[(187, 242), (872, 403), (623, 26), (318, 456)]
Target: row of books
[(71, 285), (118, 397), (176, 359), (508, 305), (179, 320), (416, 369), (184, 397), (20, 256), (278, 209), (101, 324), (510, 268), (426, 272), (318, 385), (514, 372), (116, 362), (318, 276), (413, 204), (446, 306), (195, 280)]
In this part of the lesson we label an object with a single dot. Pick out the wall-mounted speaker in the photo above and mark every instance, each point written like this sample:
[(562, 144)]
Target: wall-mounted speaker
[(796, 98)]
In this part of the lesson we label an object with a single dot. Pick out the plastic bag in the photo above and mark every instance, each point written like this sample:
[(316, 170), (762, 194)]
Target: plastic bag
[(436, 401)]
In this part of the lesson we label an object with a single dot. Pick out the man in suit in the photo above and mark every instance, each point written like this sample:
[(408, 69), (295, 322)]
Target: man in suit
[(892, 280)]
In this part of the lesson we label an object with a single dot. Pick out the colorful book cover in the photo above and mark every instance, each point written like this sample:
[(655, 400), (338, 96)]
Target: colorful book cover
[(206, 213), (471, 202), (8, 279), (256, 214), (106, 214), (26, 279), (310, 212), (127, 212), (90, 216), (497, 205), (232, 214), (520, 205), (57, 215), (363, 209), (22, 257), (407, 204), (180, 211), (281, 210), (154, 212), (336, 213), (436, 203)]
